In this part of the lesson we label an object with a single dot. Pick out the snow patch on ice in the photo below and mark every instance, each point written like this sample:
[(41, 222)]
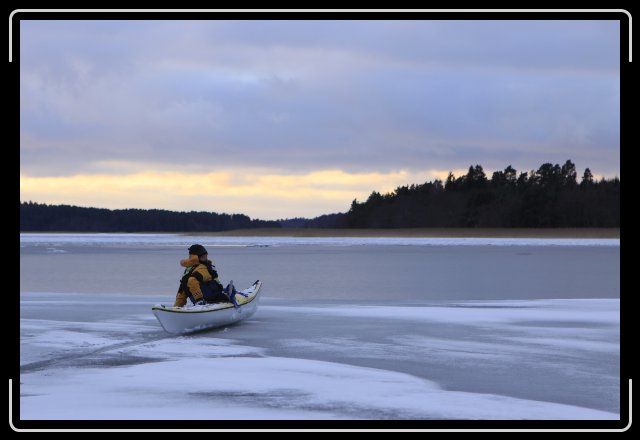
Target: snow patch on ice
[(602, 311), (67, 339), (42, 339), (180, 347), (296, 388)]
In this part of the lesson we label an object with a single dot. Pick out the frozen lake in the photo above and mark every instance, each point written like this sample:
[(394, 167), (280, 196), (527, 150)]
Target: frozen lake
[(347, 328)]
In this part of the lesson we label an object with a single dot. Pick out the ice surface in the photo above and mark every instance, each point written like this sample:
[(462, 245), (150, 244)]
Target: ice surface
[(600, 310), (51, 241), (292, 387), (346, 328), (536, 359)]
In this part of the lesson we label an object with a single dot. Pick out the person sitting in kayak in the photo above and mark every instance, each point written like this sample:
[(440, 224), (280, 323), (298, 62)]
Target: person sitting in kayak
[(200, 281)]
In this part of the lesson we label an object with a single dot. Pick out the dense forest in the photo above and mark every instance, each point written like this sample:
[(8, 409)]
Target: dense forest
[(41, 217), (547, 198)]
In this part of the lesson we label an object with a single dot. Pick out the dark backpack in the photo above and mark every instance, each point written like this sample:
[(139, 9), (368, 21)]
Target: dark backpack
[(212, 291)]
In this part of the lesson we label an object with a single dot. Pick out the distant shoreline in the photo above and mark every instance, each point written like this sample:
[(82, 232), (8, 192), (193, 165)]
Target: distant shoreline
[(421, 232), (401, 232)]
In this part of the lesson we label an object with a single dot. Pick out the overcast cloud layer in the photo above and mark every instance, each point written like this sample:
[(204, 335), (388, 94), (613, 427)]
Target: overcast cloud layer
[(290, 97)]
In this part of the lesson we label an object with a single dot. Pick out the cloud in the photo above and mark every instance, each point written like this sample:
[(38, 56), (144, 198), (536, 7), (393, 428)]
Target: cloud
[(296, 97)]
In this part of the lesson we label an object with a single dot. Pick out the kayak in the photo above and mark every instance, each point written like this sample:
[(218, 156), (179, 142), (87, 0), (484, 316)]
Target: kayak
[(194, 318)]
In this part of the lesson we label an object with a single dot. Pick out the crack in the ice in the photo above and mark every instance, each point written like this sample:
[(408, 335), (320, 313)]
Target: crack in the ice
[(41, 365)]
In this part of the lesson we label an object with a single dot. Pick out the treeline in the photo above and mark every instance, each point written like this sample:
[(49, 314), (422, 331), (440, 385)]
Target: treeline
[(323, 221), (545, 198), (42, 217)]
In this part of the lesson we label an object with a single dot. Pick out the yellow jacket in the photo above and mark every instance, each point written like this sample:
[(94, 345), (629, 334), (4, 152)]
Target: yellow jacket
[(199, 274)]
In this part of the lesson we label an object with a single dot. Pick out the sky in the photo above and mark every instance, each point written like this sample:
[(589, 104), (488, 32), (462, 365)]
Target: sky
[(279, 119)]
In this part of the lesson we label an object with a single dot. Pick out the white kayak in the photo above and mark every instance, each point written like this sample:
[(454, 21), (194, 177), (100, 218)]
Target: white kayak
[(189, 319)]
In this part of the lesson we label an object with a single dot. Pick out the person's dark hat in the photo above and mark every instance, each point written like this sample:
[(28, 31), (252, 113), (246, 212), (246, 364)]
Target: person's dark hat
[(197, 249)]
